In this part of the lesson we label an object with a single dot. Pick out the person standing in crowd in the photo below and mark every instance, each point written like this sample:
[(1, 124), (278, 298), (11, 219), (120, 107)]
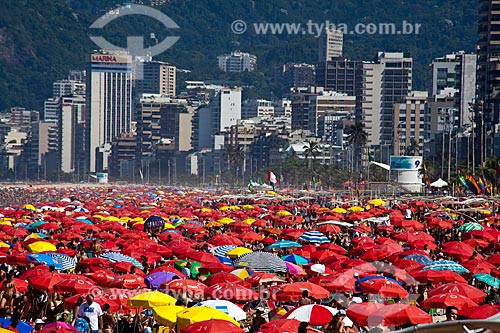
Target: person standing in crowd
[(93, 312)]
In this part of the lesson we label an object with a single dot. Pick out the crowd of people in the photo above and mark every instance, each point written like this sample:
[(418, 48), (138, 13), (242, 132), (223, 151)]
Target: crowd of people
[(194, 224)]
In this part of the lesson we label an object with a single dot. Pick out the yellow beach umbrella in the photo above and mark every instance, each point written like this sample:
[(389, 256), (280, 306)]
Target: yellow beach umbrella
[(151, 299), (233, 208), (200, 313), (29, 207), (247, 207), (356, 209), (225, 220), (242, 273), (339, 210), (168, 226), (224, 208), (283, 213), (249, 220), (42, 246), (167, 315), (376, 202), (238, 252), (3, 244)]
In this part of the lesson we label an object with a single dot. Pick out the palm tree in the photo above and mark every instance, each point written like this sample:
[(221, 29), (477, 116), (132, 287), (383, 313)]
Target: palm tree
[(234, 155), (357, 137), (311, 150)]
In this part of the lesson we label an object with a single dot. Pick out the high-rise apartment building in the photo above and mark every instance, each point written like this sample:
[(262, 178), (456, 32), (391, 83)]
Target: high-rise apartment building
[(409, 124), (296, 75), (209, 121), (109, 104), (386, 81), (456, 70), (157, 78), (330, 45), (328, 108), (237, 62), (71, 129)]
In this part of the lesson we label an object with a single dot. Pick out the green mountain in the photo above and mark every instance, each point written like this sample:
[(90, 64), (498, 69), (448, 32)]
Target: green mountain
[(40, 41)]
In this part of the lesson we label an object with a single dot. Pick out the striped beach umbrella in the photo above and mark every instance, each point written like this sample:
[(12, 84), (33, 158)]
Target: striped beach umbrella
[(222, 250), (420, 258), (488, 279), (284, 244), (119, 257), (470, 226), (66, 262), (261, 262), (313, 236), (446, 265)]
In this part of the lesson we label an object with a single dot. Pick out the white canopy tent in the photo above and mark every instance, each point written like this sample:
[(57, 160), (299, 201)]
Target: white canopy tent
[(439, 183)]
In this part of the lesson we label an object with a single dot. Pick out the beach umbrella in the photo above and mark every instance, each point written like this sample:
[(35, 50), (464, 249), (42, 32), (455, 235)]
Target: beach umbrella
[(154, 221), (212, 326), (167, 315), (227, 307), (398, 314), (448, 265), (230, 292), (314, 314), (384, 288), (197, 314), (102, 277), (237, 252), (359, 312), (296, 259), (460, 289), (41, 246), (222, 250), (470, 226), (442, 301), (488, 279), (376, 202), (283, 244), (314, 237), (243, 273), (151, 299), (46, 281), (261, 262), (222, 277), (289, 325), (189, 287), (76, 284), (22, 327), (458, 250), (295, 290), (64, 261), (119, 257), (128, 281), (438, 276), (261, 278), (419, 258), (479, 312), (43, 258), (154, 280)]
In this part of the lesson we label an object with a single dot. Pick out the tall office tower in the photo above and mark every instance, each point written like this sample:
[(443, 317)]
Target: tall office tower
[(487, 110), (456, 70), (385, 82), (109, 104), (157, 78), (331, 44)]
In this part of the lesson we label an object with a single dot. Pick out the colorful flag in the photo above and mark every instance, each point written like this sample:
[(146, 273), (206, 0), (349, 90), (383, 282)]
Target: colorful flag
[(426, 178)]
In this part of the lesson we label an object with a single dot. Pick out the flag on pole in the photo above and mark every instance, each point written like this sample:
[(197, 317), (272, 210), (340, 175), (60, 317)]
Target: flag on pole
[(142, 176), (271, 177), (426, 178)]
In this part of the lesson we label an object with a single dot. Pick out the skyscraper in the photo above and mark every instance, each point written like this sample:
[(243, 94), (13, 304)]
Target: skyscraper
[(109, 104), (331, 44)]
